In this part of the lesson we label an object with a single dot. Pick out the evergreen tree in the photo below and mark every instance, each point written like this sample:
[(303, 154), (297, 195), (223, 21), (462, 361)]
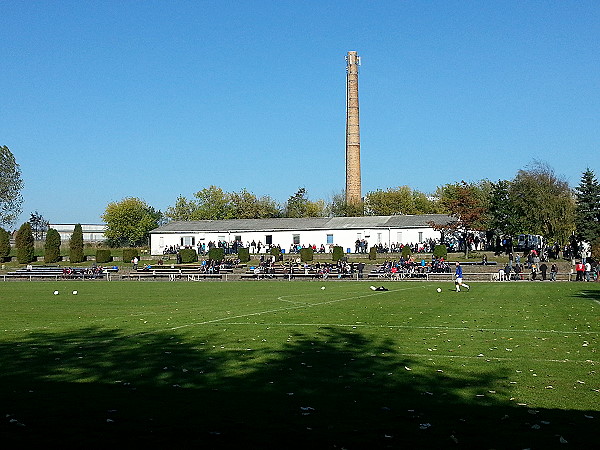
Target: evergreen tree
[(76, 245), (24, 244), (4, 244), (52, 246), (587, 211)]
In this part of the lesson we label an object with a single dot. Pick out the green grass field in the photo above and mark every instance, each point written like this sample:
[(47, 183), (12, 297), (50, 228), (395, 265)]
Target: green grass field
[(289, 365)]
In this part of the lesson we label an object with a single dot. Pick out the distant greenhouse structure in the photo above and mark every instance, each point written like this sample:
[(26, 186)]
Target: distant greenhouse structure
[(92, 232)]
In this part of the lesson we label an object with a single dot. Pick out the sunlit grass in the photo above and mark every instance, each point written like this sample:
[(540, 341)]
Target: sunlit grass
[(272, 348)]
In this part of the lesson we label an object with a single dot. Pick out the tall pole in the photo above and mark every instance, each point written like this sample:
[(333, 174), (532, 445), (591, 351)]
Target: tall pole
[(353, 184)]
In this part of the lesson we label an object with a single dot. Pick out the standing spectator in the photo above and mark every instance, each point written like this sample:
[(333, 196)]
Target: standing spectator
[(553, 272), (543, 269), (135, 262), (579, 269), (587, 270)]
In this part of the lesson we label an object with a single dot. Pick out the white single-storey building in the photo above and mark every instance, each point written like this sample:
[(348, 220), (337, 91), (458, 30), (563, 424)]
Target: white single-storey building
[(287, 232)]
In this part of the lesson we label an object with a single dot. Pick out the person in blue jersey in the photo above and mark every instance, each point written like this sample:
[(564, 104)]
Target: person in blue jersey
[(458, 278)]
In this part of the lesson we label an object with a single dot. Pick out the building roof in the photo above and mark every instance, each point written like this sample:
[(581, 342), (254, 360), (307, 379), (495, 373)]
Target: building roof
[(311, 223)]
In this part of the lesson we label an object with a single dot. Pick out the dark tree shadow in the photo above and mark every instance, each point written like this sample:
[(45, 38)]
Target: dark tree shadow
[(332, 389)]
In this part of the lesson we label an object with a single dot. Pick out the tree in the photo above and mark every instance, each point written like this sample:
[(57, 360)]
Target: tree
[(129, 221), (245, 205), (76, 245), (390, 202), (339, 207), (544, 203), (503, 217), (298, 205), (11, 185), (39, 226), (587, 211), (466, 203), (24, 244), (4, 244), (52, 246)]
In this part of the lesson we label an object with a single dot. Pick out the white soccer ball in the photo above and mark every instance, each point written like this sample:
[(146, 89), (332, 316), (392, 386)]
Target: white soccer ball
[(322, 288), (74, 292), (55, 292), (439, 289)]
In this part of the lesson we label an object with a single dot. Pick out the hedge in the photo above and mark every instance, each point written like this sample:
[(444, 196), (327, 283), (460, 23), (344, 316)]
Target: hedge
[(188, 255), (406, 251), (373, 253), (103, 255), (338, 253), (129, 253), (244, 254), (440, 251), (216, 254), (306, 254)]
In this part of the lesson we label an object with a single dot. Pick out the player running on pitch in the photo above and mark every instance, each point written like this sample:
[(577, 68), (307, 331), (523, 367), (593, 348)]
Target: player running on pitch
[(458, 278)]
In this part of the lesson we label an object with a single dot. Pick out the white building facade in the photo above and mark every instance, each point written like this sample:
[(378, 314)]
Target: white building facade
[(304, 232), (92, 232)]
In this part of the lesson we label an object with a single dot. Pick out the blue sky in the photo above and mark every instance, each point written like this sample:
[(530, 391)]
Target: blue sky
[(102, 100)]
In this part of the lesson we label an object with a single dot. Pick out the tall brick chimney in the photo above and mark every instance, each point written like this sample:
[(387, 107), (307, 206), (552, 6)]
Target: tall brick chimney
[(353, 183)]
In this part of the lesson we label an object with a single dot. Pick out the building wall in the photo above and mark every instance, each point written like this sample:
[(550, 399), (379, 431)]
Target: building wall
[(285, 239), (91, 232)]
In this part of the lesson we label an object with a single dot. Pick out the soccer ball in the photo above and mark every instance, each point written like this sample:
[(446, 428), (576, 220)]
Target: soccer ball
[(74, 292), (439, 289), (322, 288), (55, 292)]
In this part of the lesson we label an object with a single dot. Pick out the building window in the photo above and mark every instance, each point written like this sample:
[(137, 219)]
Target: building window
[(188, 241), (296, 239), (399, 237), (420, 236), (330, 238), (269, 239), (238, 238)]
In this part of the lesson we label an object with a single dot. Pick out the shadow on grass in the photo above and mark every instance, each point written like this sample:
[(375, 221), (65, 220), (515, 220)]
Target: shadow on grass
[(332, 389)]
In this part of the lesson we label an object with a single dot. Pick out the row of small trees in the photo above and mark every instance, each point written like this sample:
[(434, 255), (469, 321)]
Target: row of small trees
[(24, 245)]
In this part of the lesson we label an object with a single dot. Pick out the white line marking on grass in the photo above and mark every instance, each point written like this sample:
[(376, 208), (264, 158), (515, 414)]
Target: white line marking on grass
[(593, 299), (431, 356), (411, 327), (271, 311)]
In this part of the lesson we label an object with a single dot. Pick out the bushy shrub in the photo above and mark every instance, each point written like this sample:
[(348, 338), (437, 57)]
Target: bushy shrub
[(76, 245), (129, 253), (216, 254), (440, 251), (306, 254), (373, 253), (275, 251), (244, 254), (188, 255), (4, 244), (338, 253), (406, 251), (24, 243), (52, 246), (103, 255)]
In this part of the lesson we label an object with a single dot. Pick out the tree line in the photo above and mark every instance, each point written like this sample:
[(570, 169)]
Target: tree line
[(536, 201)]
